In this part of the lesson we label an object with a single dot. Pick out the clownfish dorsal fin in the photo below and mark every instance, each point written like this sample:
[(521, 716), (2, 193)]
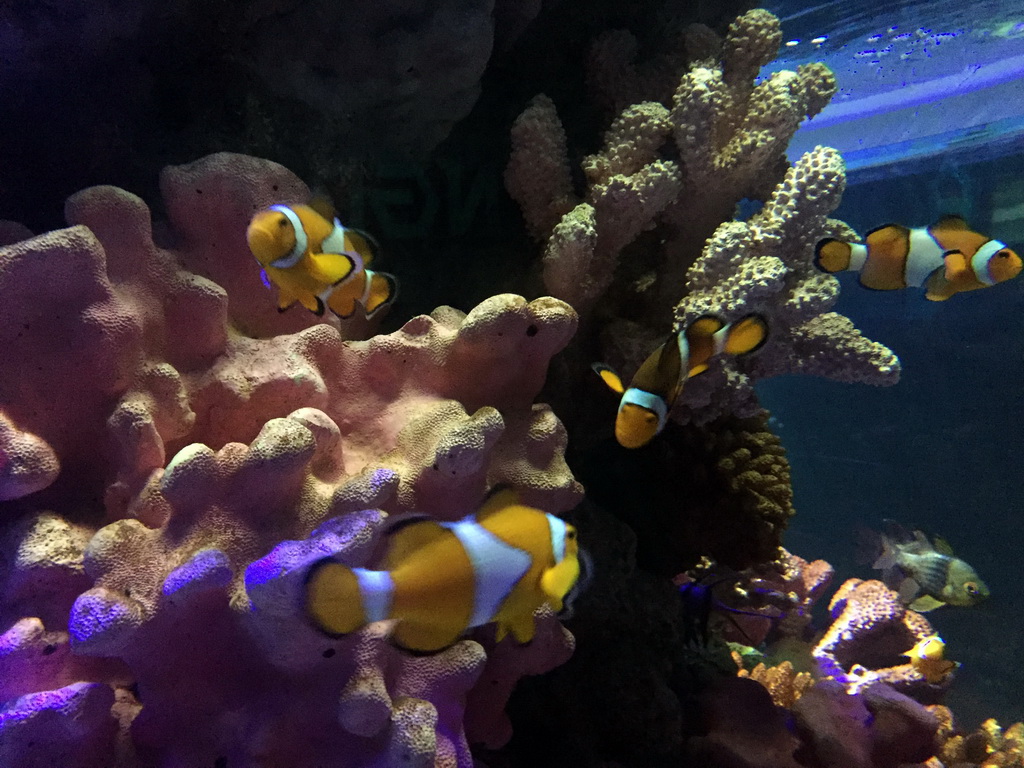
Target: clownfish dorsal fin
[(406, 533), (321, 203), (951, 221), (611, 379), (942, 546), (500, 497), (746, 335)]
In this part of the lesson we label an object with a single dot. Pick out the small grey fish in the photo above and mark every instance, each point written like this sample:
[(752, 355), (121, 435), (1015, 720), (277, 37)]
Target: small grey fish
[(925, 573)]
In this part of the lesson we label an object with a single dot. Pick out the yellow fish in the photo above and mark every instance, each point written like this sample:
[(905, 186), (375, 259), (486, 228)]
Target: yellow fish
[(945, 258), (318, 262), (440, 579), (928, 657), (644, 406)]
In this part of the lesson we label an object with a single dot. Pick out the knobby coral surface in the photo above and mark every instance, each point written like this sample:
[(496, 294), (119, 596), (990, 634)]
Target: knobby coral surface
[(174, 453), (665, 185)]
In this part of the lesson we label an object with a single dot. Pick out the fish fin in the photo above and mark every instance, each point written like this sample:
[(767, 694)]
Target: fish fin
[(500, 497), (869, 546), (705, 325), (897, 532), (746, 335), (424, 637), (925, 603), (556, 581), (831, 255), (950, 221), (698, 369), (366, 245), (940, 545), (344, 299), (331, 268), (323, 205), (407, 537), (937, 287), (885, 558), (886, 234), (909, 589), (382, 292), (522, 628), (313, 303), (611, 379), (333, 602), (958, 268)]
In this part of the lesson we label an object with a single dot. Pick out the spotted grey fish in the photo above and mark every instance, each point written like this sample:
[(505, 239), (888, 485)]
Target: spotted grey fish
[(925, 573)]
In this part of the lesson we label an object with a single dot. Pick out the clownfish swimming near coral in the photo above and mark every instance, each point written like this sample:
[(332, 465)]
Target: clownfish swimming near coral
[(928, 658), (945, 258), (438, 580), (318, 262), (645, 403)]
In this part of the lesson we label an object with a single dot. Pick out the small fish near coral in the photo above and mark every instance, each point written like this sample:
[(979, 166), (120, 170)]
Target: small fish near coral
[(945, 259), (645, 403), (928, 657), (438, 580), (316, 261), (925, 573)]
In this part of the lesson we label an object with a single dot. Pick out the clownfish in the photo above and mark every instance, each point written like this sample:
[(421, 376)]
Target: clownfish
[(926, 573), (643, 409), (928, 657), (318, 262), (945, 258), (438, 580)]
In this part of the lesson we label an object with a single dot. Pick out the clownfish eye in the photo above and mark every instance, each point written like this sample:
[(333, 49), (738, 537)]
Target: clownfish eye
[(283, 221), (650, 418), (971, 587), (570, 535), (1003, 254)]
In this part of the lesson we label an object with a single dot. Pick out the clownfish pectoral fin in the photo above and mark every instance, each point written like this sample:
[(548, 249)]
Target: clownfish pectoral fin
[(424, 637), (925, 603), (380, 292), (332, 599), (609, 377), (746, 335), (332, 268), (950, 221), (958, 267), (832, 255), (937, 287)]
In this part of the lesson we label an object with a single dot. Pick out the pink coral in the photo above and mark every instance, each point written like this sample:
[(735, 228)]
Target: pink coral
[(871, 630), (193, 435)]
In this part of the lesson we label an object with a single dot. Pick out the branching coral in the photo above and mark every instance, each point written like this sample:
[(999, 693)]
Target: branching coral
[(782, 681), (185, 438)]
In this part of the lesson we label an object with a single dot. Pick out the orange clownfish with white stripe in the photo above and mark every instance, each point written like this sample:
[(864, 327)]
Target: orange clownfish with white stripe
[(643, 409), (318, 262), (437, 580), (945, 258)]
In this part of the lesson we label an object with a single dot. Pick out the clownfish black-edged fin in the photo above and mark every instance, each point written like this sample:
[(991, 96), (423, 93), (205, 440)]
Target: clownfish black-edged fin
[(321, 203), (422, 639), (746, 335), (408, 536), (831, 255), (366, 244), (383, 292), (320, 307), (331, 598), (611, 379), (332, 268), (501, 496)]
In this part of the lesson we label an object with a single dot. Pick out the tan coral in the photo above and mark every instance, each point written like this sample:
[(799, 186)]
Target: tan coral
[(782, 681)]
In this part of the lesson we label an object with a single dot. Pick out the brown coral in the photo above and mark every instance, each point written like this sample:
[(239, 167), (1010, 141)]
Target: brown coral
[(782, 681)]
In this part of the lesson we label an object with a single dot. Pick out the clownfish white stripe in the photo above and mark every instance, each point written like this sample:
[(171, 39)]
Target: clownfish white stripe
[(335, 242), (557, 538), (367, 287), (923, 257), (376, 589), (301, 241), (684, 351), (497, 566), (644, 399), (858, 256), (979, 261)]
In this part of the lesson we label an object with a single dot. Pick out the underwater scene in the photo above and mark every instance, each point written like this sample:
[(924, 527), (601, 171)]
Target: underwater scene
[(511, 384)]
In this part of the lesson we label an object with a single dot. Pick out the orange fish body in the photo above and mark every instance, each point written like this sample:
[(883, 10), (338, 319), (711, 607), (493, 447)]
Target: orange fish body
[(945, 258), (438, 580), (645, 403), (318, 262)]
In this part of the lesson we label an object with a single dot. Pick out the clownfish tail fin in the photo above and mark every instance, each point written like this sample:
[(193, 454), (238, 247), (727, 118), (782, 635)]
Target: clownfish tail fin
[(333, 597), (832, 255)]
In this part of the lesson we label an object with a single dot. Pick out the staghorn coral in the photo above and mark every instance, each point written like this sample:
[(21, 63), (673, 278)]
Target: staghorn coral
[(871, 630), (203, 456)]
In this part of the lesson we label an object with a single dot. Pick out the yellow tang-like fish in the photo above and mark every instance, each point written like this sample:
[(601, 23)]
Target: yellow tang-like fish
[(438, 580), (645, 403), (945, 258), (318, 262), (928, 657)]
